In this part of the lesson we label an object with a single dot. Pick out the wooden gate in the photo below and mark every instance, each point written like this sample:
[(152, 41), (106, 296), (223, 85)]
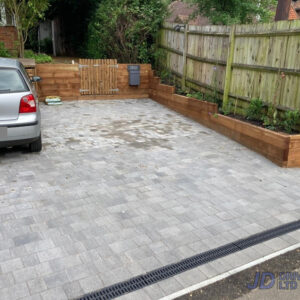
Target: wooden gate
[(98, 76)]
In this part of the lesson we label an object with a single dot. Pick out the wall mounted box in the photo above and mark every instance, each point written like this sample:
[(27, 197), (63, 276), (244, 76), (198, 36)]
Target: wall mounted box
[(134, 75)]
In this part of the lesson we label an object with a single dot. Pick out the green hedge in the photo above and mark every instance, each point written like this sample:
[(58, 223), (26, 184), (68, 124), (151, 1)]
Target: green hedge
[(126, 30)]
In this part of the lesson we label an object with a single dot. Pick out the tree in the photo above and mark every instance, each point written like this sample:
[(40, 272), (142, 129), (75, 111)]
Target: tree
[(126, 30), (283, 10), (228, 12), (26, 14)]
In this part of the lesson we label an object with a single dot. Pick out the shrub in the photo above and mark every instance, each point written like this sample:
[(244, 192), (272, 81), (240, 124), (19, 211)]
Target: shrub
[(204, 97), (254, 111), (126, 30), (290, 120), (40, 58), (236, 11), (270, 119), (3, 51), (165, 76), (228, 110), (197, 95)]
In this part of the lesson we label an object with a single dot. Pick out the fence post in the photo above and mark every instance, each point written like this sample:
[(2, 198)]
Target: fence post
[(229, 68), (185, 48)]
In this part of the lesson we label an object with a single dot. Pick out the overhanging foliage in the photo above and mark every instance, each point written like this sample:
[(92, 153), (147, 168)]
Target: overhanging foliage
[(126, 30), (236, 11)]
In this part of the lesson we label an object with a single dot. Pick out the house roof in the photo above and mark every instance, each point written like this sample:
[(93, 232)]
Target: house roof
[(293, 14), (297, 5), (180, 12)]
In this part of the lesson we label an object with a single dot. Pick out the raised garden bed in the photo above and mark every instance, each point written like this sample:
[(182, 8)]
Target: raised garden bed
[(283, 149), (278, 129)]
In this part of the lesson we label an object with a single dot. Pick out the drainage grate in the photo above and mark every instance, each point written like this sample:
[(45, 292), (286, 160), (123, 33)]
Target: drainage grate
[(160, 274)]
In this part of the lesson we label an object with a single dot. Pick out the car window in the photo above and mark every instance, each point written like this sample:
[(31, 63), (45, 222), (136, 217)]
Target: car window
[(11, 81)]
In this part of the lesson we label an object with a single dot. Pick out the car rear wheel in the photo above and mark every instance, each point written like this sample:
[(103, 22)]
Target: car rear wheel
[(36, 146)]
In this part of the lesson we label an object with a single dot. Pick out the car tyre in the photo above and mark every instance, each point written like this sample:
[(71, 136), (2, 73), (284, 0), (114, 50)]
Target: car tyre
[(36, 146)]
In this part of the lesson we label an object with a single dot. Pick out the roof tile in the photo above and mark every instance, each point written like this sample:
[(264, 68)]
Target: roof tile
[(293, 14)]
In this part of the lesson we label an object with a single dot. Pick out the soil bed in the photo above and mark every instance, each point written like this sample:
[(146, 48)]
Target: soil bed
[(260, 124)]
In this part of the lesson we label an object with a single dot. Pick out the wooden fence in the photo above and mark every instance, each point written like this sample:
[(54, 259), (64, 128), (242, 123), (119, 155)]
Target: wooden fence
[(239, 63)]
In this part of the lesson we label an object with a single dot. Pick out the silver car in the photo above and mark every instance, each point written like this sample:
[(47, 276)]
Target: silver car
[(20, 118)]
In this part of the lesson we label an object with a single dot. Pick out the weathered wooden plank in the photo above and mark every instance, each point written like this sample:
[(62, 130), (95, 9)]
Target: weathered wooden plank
[(98, 76), (67, 82), (261, 53), (228, 76)]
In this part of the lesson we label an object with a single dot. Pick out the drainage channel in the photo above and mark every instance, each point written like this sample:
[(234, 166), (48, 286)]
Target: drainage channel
[(171, 270)]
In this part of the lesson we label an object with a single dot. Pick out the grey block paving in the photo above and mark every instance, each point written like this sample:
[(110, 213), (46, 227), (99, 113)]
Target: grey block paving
[(25, 274), (190, 278), (11, 265), (17, 291), (124, 187), (91, 284), (56, 280), (27, 238), (36, 286), (56, 293), (30, 260), (73, 289)]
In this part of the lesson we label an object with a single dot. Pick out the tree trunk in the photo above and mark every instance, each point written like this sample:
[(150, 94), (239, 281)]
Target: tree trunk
[(21, 43), (22, 47), (20, 37), (283, 10)]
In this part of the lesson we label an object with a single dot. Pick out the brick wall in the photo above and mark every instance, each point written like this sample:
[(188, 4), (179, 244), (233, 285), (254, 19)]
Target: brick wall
[(8, 35)]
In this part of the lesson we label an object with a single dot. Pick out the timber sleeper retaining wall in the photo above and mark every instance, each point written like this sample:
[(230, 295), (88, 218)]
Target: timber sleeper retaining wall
[(64, 80), (282, 149)]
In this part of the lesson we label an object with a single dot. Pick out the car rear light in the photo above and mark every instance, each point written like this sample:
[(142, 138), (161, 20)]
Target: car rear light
[(27, 104)]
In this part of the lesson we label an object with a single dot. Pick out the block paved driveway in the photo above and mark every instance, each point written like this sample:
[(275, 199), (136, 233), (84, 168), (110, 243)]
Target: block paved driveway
[(123, 187)]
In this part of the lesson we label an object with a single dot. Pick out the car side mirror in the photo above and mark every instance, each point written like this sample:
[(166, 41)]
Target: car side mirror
[(36, 78)]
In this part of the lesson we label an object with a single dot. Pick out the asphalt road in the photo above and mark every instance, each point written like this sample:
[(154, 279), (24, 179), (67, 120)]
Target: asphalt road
[(236, 286)]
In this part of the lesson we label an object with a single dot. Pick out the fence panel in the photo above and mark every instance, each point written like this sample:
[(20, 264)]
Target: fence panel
[(265, 63)]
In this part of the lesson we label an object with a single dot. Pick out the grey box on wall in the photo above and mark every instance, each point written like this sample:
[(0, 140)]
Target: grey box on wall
[(134, 75)]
